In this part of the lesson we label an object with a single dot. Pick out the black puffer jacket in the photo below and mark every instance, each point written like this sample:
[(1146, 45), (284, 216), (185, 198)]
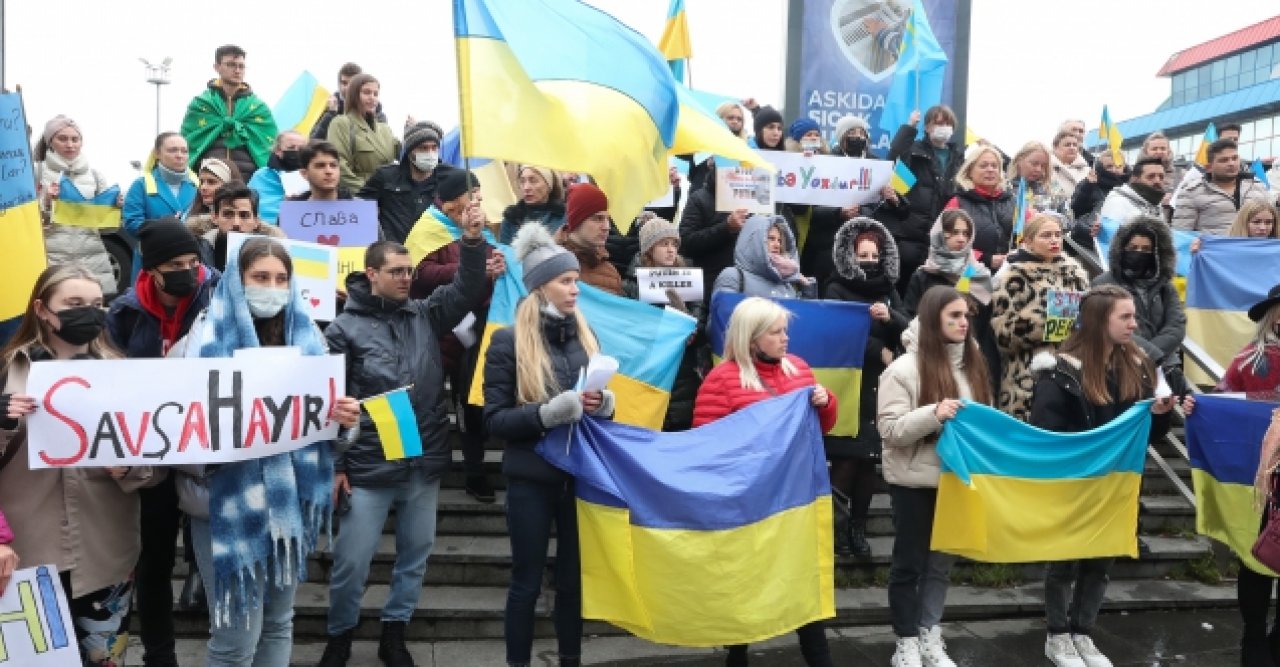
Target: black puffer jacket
[(1059, 404), (390, 345), (401, 200), (911, 220), (1162, 323), (992, 221), (519, 425), (705, 236)]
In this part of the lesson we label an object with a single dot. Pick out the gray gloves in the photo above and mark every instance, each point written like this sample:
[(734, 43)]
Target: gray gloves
[(606, 405), (565, 408)]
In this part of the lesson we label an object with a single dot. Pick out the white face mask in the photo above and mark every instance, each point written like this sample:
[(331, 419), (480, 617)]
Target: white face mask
[(265, 302), (426, 161), (811, 144), (941, 134)]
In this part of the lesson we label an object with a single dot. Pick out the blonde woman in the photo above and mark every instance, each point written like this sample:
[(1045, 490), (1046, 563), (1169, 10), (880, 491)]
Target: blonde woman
[(530, 371), (981, 192), (1257, 219)]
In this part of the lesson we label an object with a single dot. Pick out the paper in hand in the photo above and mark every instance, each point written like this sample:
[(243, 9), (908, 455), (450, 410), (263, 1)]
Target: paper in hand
[(1162, 385), (600, 371), (464, 333)]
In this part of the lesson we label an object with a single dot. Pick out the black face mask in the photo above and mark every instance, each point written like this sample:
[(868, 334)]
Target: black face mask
[(855, 146), (1151, 195), (81, 324), (871, 269), (1137, 263), (179, 283), (290, 160)]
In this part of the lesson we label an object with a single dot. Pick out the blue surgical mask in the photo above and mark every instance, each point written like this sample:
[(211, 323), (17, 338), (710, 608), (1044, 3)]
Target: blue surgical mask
[(265, 302)]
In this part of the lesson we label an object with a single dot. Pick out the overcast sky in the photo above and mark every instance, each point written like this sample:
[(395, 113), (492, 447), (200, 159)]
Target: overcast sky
[(1033, 63)]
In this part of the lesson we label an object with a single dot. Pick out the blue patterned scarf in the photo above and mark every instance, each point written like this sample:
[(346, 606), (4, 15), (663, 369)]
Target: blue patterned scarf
[(266, 514)]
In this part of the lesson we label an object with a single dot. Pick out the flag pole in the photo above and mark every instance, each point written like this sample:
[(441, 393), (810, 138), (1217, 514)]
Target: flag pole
[(463, 115)]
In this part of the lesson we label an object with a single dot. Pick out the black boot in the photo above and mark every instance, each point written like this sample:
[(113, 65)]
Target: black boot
[(1273, 640), (858, 540), (391, 648), (192, 597), (478, 487), (337, 652), (1256, 652), (842, 537), (566, 661)]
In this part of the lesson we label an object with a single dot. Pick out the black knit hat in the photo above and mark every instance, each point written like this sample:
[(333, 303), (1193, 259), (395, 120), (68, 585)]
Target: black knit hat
[(162, 240), (454, 184), (764, 116)]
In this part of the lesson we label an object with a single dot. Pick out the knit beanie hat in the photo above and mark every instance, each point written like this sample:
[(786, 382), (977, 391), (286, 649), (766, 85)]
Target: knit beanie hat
[(162, 240), (801, 127), (764, 116), (584, 201), (540, 257), (417, 135), (57, 124), (848, 123), (455, 184), (216, 167), (656, 229)]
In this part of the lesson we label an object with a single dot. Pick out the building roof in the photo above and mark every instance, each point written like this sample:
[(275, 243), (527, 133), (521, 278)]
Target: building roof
[(1219, 108), (1221, 46)]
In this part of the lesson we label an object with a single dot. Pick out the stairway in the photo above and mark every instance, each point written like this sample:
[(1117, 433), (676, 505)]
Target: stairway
[(468, 571)]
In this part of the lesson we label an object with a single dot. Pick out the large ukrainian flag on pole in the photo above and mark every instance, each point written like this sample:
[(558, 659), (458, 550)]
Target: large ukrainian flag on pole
[(918, 75), (1013, 493), (1219, 293), (21, 238), (564, 85), (675, 44), (301, 105), (718, 535), (829, 335), (1224, 437)]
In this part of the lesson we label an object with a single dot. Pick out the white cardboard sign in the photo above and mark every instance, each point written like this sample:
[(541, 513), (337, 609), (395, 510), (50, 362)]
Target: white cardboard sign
[(827, 180), (36, 629), (744, 187), (315, 273), (654, 283)]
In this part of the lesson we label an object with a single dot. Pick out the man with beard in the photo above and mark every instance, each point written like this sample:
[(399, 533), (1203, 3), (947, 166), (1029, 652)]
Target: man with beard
[(585, 232), (235, 209)]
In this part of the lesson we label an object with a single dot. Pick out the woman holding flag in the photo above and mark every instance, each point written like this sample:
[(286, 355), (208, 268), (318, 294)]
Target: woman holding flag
[(530, 372), (919, 393), (1095, 377), (757, 367), (238, 541)]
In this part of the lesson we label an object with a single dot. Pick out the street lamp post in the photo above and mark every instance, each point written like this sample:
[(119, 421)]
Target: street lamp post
[(157, 74)]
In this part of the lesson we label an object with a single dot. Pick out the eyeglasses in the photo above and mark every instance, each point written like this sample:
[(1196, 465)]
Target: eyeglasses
[(399, 271)]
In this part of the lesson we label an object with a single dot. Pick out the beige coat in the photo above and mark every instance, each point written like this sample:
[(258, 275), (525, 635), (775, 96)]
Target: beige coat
[(1067, 176), (909, 430), (1204, 207), (79, 519)]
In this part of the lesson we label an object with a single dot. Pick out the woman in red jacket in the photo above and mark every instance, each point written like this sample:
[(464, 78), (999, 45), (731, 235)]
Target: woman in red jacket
[(756, 367)]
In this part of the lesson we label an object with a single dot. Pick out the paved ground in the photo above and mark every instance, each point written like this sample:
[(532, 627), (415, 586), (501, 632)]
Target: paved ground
[(1153, 639)]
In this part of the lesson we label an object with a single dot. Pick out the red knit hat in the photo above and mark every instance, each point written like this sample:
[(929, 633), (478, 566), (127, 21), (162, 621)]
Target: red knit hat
[(584, 201)]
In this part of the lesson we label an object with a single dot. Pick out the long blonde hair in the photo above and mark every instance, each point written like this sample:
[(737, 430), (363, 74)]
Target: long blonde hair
[(33, 332), (726, 107), (749, 321), (535, 380), (1025, 152), (1254, 355), (1252, 207)]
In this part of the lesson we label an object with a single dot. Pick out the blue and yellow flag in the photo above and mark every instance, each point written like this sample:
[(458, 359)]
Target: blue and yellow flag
[(1021, 206), (718, 535), (701, 132), (919, 74), (301, 105), (902, 178), (392, 415), (1012, 493), (1109, 133), (1260, 172), (594, 96), (1182, 241), (21, 238), (675, 43), (648, 343), (72, 208), (1210, 136), (830, 336), (1224, 438), (1219, 294)]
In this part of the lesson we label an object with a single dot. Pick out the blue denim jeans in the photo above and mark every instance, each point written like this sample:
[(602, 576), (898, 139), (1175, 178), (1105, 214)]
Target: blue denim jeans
[(359, 531), (265, 638), (531, 509)]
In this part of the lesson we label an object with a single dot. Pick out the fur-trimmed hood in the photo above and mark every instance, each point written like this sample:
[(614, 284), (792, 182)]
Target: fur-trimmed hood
[(1166, 254), (845, 255)]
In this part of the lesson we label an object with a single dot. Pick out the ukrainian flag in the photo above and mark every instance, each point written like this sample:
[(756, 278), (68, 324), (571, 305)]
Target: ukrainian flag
[(829, 335), (312, 260), (1013, 493), (919, 74), (675, 43), (718, 535), (301, 105), (1210, 136), (701, 131), (392, 415), (1182, 241), (1021, 206), (98, 212), (22, 255), (1109, 133), (1219, 293), (902, 178), (593, 95), (1224, 437)]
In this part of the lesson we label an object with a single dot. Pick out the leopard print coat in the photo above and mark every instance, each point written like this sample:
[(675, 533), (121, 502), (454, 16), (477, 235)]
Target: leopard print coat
[(1019, 323)]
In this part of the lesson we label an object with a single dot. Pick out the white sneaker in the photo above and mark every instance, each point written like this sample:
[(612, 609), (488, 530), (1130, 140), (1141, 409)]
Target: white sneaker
[(1062, 651), (907, 654), (933, 651), (1088, 652)]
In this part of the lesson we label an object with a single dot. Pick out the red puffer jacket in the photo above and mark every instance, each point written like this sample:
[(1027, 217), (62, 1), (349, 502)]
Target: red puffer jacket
[(722, 392)]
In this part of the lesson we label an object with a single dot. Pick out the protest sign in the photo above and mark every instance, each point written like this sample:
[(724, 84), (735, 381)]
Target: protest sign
[(654, 283), (826, 180), (744, 187), (315, 273), (35, 621), (21, 232), (346, 223), (1061, 309), (130, 412)]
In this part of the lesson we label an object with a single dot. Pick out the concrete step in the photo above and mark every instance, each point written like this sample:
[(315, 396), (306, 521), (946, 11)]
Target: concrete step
[(471, 613)]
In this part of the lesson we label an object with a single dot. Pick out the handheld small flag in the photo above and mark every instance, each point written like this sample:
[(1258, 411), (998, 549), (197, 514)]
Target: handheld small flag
[(1260, 173), (1021, 204), (301, 105), (675, 44), (397, 426), (962, 285), (310, 262), (1109, 133), (1202, 153), (902, 179)]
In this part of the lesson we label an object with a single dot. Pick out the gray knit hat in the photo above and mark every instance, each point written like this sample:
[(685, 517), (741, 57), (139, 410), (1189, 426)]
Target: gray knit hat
[(541, 258), (849, 122), (655, 230)]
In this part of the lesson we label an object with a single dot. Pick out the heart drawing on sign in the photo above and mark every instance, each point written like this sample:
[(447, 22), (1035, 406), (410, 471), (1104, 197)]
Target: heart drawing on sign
[(315, 303), (328, 239)]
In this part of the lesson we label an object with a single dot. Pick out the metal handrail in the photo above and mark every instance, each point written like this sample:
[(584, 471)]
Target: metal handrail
[(1192, 350)]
